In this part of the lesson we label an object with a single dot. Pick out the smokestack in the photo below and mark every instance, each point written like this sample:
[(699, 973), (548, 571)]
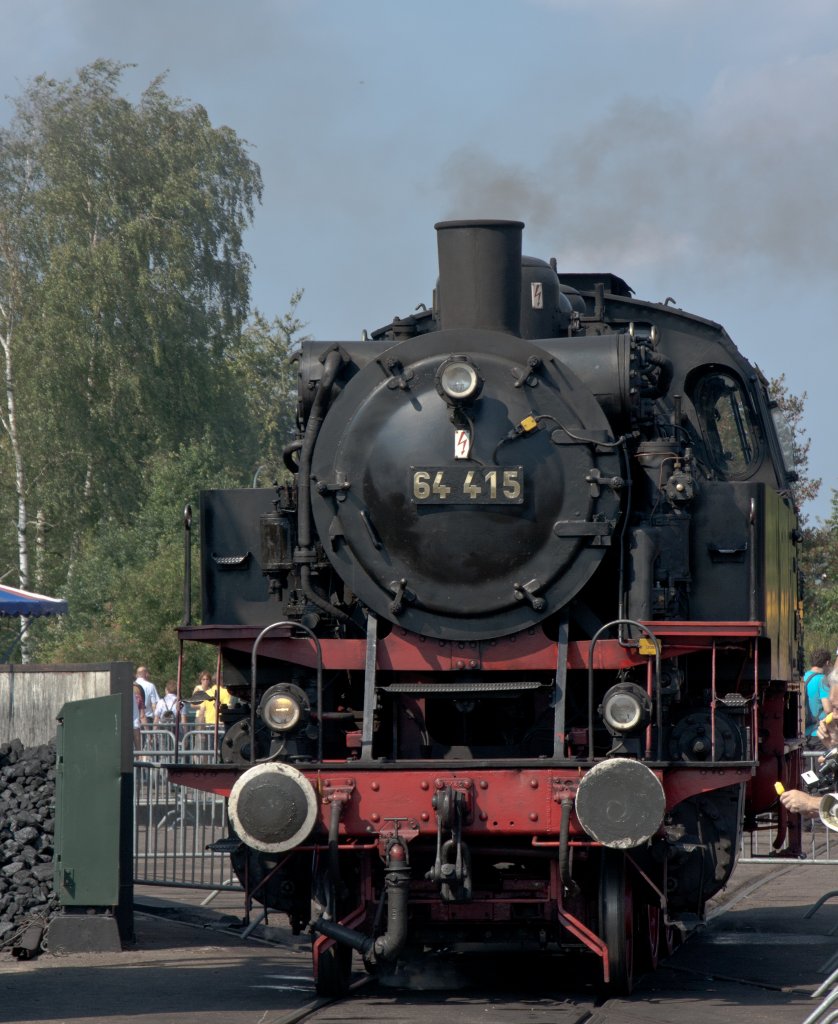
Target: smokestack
[(480, 274)]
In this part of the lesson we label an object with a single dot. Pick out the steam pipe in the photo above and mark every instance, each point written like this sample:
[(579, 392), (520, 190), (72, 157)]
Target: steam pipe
[(304, 552), (288, 455), (564, 848), (334, 855), (340, 933), (396, 888), (666, 371), (331, 365)]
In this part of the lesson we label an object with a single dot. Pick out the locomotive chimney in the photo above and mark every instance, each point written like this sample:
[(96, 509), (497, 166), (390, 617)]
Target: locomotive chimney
[(480, 274)]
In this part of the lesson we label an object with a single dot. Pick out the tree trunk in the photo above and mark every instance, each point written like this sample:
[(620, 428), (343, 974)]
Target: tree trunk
[(9, 423)]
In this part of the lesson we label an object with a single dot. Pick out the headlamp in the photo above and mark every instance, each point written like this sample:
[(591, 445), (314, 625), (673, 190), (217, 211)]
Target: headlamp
[(625, 708), (283, 707), (457, 380)]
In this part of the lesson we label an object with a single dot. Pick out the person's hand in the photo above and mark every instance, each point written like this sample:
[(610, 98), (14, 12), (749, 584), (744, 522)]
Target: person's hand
[(796, 801), (828, 731)]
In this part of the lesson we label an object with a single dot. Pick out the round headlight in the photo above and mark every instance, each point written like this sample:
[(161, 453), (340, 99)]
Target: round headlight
[(282, 708), (459, 381), (281, 713), (622, 711)]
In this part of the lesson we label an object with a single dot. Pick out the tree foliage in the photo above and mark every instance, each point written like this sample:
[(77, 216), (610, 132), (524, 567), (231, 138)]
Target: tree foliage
[(819, 543), (125, 285), (132, 372), (126, 597), (804, 488), (819, 571), (266, 379)]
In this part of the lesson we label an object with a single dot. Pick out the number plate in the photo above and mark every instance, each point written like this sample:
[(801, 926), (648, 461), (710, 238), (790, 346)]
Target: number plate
[(467, 485)]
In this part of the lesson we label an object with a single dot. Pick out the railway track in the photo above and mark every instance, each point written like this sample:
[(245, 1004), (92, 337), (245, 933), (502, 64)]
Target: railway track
[(516, 989)]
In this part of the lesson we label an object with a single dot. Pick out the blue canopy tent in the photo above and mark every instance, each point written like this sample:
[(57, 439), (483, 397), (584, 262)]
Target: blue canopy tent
[(22, 602), (14, 603)]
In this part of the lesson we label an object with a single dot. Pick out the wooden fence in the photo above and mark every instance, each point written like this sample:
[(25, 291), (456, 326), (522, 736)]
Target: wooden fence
[(32, 695)]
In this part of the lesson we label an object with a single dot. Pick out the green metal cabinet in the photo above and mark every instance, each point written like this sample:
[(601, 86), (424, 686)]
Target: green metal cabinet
[(93, 864)]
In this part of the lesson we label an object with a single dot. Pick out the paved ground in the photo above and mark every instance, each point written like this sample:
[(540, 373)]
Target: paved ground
[(757, 962)]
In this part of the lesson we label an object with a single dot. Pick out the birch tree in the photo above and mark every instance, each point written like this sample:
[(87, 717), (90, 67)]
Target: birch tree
[(124, 286)]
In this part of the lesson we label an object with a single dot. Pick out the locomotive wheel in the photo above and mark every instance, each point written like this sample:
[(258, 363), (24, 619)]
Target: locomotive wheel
[(648, 937), (617, 922), (334, 970), (670, 940)]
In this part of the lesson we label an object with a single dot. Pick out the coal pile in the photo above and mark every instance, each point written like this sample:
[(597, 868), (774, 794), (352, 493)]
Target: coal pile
[(27, 824)]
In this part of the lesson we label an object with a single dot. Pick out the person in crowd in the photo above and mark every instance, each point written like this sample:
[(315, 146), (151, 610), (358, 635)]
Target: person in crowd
[(816, 683), (220, 697), (139, 714), (796, 801), (152, 697), (167, 709), (193, 708)]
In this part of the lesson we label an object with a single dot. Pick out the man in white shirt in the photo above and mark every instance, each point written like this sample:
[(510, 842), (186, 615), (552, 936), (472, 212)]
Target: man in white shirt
[(152, 697)]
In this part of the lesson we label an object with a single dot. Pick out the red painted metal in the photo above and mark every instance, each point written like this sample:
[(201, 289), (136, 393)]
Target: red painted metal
[(681, 784), (576, 927), (523, 802), (527, 651)]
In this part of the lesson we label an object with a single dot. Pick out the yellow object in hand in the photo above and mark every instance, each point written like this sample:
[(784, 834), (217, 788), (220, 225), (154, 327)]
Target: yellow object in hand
[(780, 788), (829, 718)]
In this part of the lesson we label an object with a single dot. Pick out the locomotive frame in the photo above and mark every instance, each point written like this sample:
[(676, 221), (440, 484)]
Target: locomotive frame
[(515, 655)]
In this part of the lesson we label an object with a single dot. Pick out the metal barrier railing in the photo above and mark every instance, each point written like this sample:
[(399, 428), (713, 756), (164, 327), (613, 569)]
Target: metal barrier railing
[(828, 993), (819, 845), (175, 827)]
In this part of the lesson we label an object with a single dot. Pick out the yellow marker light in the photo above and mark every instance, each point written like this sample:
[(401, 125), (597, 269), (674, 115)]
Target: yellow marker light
[(528, 424), (780, 788)]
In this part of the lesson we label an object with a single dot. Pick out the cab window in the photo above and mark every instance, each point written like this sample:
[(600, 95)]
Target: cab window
[(726, 424)]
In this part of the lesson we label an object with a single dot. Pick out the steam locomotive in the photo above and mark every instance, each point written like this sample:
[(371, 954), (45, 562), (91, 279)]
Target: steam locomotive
[(514, 652)]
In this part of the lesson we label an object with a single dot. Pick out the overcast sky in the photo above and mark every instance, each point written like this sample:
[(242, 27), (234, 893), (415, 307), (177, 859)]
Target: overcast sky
[(690, 146)]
